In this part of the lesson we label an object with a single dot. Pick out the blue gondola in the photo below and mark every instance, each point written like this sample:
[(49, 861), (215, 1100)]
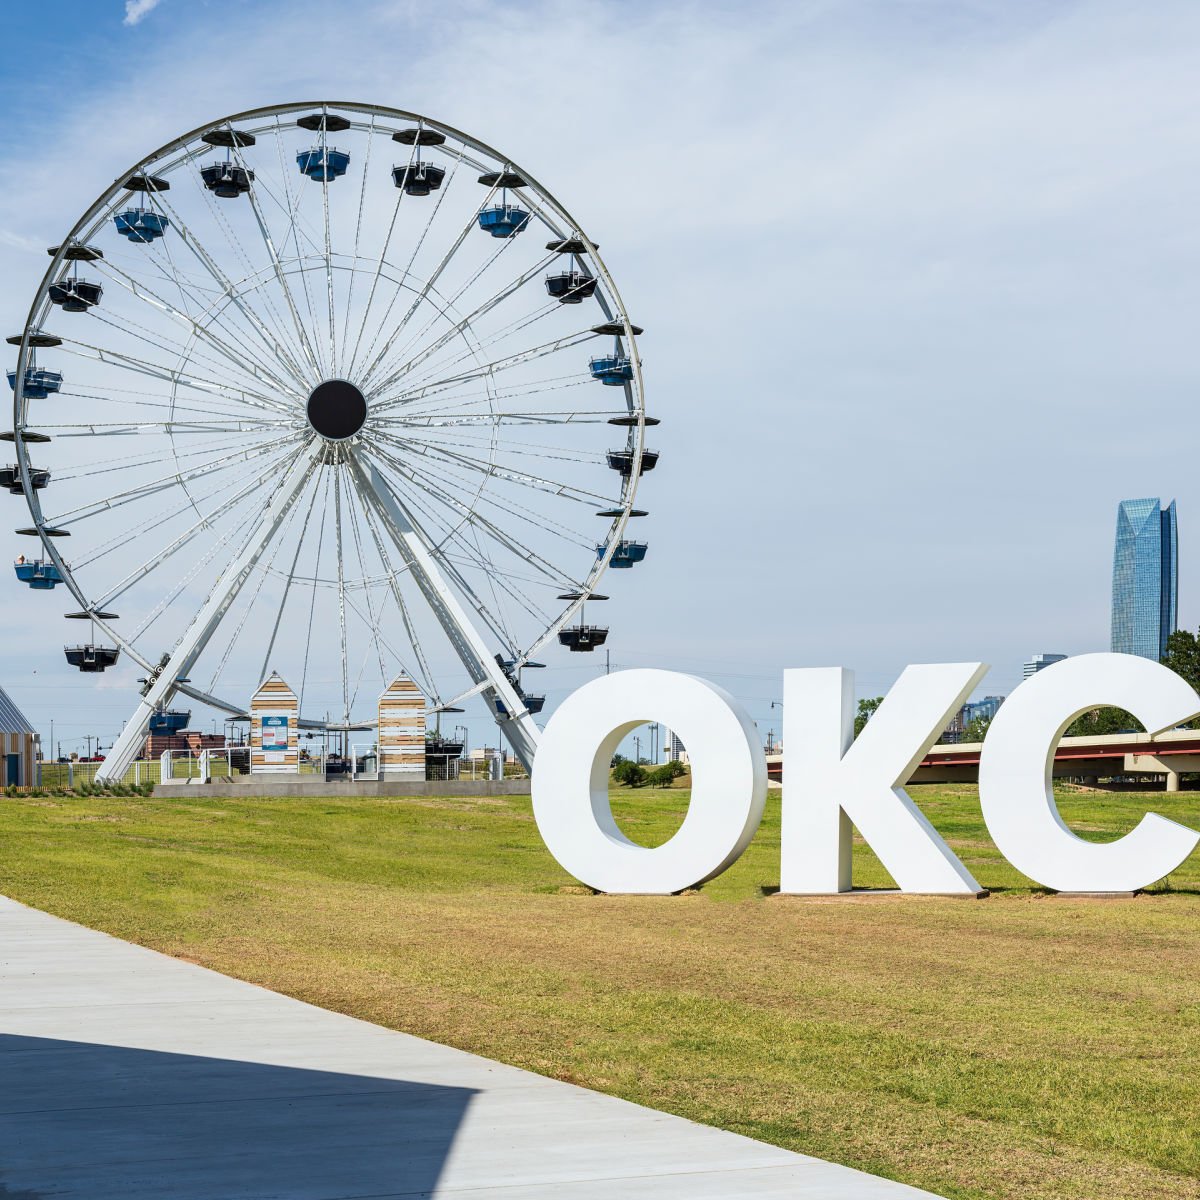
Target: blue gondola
[(91, 658), (169, 721), (75, 295), (612, 369), (38, 384), (571, 287), (227, 180), (418, 178), (141, 225), (39, 575), (625, 555), (10, 477), (322, 163), (533, 704), (503, 220)]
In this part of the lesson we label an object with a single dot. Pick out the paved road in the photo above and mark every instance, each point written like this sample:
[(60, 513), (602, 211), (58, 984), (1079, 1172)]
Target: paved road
[(125, 1073)]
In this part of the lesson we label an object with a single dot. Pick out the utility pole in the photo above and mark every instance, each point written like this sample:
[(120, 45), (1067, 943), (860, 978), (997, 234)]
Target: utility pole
[(89, 742), (637, 749), (607, 662)]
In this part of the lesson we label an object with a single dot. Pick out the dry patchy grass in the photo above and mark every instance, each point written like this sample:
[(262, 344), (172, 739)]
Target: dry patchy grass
[(1025, 1046)]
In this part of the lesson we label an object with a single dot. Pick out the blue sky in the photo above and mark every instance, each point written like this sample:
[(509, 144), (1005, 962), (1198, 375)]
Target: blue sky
[(908, 357)]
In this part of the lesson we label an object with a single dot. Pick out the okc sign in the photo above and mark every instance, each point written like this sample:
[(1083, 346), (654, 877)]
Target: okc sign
[(833, 782)]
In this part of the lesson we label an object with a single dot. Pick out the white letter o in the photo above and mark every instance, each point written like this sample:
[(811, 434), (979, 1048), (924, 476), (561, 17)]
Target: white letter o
[(570, 782)]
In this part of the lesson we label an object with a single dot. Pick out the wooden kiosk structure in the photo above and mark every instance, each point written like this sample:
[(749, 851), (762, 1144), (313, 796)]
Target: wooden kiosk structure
[(274, 729), (402, 731)]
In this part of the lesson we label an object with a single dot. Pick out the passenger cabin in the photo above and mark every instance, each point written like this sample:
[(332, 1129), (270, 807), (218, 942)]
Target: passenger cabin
[(91, 658), (38, 383), (226, 179), (169, 722), (75, 295), (10, 477), (418, 178), (625, 554), (323, 163), (622, 461), (38, 574), (613, 369), (571, 287), (503, 220), (580, 638), (141, 225), (533, 704)]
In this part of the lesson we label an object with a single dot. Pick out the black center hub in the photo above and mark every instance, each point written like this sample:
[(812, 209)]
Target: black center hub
[(337, 410)]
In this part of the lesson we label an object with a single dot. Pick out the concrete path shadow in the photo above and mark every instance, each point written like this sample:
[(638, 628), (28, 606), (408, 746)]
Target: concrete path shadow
[(81, 1119)]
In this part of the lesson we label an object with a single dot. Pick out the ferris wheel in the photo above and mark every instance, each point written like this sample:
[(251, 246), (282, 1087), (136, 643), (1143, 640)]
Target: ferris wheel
[(335, 390)]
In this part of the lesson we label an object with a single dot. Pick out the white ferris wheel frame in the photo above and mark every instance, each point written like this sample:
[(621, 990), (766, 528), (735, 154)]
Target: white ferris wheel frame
[(416, 550)]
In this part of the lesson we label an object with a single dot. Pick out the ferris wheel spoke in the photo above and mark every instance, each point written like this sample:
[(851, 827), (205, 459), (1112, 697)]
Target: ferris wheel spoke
[(435, 362), (248, 607), (223, 462), (180, 350), (424, 676), (485, 371), (341, 588), (446, 305), (277, 267), (312, 604), (158, 371), (291, 211), (329, 279), (491, 470), (464, 511), (451, 483), (205, 522), (356, 533), (248, 363), (289, 581), (362, 200), (457, 329), (427, 561), (387, 241), (420, 242), (172, 428), (237, 298), (555, 417), (155, 458), (422, 295), (239, 251)]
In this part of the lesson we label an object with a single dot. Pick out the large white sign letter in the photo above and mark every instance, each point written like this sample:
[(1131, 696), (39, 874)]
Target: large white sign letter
[(831, 780), (1016, 783), (570, 781)]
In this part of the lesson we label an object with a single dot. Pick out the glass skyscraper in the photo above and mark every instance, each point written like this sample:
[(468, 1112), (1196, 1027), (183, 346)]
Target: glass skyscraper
[(1145, 587)]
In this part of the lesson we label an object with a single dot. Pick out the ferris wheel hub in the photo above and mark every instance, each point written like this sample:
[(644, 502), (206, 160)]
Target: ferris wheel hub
[(337, 410)]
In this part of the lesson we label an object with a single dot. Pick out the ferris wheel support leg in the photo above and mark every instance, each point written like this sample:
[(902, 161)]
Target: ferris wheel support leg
[(165, 684), (519, 727)]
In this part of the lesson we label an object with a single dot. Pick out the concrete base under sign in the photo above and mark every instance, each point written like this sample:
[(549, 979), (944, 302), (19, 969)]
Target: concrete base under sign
[(341, 785), (129, 1075)]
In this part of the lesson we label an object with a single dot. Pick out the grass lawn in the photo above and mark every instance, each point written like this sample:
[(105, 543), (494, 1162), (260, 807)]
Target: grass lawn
[(1022, 1047)]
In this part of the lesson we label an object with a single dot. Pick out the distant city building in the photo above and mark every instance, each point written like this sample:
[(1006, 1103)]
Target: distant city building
[(1145, 590), (673, 746), (975, 710), (1039, 662)]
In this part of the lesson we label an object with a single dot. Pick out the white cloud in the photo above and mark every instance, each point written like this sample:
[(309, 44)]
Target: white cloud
[(135, 10)]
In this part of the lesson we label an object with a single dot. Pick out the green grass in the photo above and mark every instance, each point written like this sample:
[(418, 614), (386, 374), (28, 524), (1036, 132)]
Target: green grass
[(1024, 1046)]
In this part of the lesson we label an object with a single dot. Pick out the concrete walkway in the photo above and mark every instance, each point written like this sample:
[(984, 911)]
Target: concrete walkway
[(125, 1073)]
